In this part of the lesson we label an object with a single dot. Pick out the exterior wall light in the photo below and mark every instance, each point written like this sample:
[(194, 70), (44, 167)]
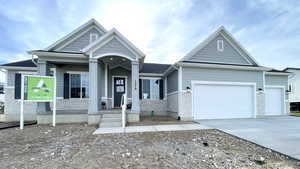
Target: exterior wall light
[(188, 89)]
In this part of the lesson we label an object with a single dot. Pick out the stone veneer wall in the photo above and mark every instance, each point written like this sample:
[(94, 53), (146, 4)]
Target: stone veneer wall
[(12, 107), (185, 108), (159, 107), (71, 104), (172, 102), (260, 104)]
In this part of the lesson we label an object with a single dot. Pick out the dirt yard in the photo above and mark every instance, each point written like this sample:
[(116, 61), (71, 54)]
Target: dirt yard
[(74, 146)]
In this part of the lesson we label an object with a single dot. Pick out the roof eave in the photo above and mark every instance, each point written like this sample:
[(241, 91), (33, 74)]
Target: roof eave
[(18, 68), (152, 74), (218, 66), (279, 73), (56, 54)]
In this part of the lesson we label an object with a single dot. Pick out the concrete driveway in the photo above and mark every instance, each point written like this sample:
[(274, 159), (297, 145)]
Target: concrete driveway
[(281, 134)]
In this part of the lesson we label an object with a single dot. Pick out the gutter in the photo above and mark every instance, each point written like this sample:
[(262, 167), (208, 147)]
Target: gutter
[(32, 59), (279, 73), (18, 68), (170, 69), (218, 66), (152, 74)]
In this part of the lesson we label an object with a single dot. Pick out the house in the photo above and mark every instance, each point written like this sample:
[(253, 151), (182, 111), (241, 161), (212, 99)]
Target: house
[(94, 67), (294, 83)]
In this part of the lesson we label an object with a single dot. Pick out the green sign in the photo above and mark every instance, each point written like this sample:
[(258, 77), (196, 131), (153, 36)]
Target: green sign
[(40, 88)]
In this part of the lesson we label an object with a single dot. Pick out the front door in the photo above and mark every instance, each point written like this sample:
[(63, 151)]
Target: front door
[(119, 90)]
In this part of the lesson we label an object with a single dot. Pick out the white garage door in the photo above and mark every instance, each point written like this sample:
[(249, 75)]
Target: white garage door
[(274, 101), (223, 100)]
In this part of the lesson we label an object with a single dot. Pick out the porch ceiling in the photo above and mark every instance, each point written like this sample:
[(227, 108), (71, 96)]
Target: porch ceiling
[(116, 61)]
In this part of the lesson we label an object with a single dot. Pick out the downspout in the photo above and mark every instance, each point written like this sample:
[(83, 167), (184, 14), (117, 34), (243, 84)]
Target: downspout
[(32, 59)]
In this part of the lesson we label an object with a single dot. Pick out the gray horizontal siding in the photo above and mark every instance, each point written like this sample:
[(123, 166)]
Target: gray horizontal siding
[(172, 82), (10, 78), (114, 46), (221, 75), (81, 42), (210, 53), (277, 80)]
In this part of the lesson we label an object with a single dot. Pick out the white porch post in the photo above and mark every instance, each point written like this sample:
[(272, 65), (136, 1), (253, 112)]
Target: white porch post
[(135, 108), (94, 86)]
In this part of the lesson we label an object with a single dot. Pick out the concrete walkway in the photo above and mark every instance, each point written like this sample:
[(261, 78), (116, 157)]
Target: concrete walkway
[(134, 129), (281, 134)]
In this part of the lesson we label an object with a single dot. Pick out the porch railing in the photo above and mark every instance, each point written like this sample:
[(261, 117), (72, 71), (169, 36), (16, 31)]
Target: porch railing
[(124, 106)]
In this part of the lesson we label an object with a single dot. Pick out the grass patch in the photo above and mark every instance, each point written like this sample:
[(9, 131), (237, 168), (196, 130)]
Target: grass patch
[(295, 114)]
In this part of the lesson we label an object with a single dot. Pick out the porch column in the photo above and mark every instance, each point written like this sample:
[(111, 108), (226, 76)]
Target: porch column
[(43, 70), (94, 86), (135, 108)]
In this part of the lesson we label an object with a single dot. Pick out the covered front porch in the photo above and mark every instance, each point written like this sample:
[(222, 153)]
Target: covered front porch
[(94, 80), (121, 76)]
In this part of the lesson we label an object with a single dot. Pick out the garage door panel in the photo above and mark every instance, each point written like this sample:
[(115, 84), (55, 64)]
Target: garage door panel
[(274, 101), (213, 101)]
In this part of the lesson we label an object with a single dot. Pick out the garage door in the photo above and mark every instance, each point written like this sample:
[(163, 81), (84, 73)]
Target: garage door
[(223, 100), (274, 101)]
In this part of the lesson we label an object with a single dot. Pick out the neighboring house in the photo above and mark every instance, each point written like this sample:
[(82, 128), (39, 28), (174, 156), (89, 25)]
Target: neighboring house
[(94, 67), (294, 88), (2, 84)]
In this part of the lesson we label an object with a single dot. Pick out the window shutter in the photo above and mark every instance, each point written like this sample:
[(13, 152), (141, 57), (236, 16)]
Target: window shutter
[(18, 85), (66, 85), (161, 89), (140, 88)]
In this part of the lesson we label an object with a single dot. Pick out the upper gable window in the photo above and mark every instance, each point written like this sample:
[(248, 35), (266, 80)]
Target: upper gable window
[(93, 37), (220, 45)]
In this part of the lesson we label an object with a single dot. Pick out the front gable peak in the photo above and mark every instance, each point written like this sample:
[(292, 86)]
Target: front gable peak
[(220, 47), (113, 43), (79, 38)]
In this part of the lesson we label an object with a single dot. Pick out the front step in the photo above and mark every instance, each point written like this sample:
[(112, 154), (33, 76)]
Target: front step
[(112, 115), (111, 120), (110, 124)]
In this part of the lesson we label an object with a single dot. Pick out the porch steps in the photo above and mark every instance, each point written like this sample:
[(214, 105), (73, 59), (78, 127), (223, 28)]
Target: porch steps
[(111, 119)]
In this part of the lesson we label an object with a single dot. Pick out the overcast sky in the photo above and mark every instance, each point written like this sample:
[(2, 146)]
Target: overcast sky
[(164, 30)]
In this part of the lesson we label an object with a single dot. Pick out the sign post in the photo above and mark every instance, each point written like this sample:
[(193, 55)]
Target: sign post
[(38, 89), (22, 103)]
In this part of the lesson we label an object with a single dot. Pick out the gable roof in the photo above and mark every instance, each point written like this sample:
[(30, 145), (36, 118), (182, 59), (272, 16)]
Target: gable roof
[(291, 68), (106, 38), (234, 43), (90, 22), (154, 68), (23, 63)]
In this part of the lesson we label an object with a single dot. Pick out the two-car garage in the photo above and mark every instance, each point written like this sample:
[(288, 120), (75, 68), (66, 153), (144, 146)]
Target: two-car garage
[(224, 100)]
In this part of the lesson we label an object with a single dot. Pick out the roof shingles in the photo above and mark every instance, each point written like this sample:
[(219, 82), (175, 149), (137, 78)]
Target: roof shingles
[(154, 68)]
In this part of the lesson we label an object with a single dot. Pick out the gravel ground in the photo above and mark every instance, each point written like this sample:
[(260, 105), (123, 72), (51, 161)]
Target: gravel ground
[(74, 146)]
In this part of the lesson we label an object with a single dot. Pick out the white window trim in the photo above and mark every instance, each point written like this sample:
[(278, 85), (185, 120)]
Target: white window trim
[(150, 78), (220, 45), (91, 37), (76, 73)]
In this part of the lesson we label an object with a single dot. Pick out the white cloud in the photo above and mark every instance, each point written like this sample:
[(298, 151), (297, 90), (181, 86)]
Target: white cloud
[(165, 30)]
